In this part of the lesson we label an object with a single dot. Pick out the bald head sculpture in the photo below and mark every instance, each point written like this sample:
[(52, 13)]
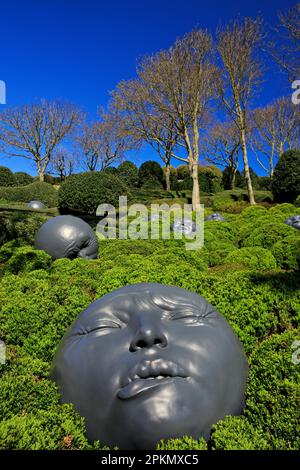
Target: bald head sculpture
[(36, 205), (66, 236), (149, 362)]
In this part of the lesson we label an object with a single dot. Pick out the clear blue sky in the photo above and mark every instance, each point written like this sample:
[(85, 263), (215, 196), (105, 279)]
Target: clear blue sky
[(78, 50)]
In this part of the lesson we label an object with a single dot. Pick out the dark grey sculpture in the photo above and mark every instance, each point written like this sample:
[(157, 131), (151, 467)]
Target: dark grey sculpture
[(36, 205), (185, 227), (150, 361), (66, 236), (293, 221), (216, 217)]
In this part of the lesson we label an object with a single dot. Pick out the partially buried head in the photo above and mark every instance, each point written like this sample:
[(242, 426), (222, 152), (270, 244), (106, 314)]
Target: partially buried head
[(150, 361)]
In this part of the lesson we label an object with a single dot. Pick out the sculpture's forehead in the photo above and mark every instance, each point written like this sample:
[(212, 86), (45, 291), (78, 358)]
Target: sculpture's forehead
[(145, 299)]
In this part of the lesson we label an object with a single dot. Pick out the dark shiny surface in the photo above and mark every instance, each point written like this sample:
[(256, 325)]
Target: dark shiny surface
[(149, 361), (215, 217), (187, 227), (293, 221), (36, 205), (66, 236)]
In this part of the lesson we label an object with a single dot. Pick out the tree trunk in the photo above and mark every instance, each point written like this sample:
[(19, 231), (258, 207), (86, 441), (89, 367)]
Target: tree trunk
[(168, 184), (40, 172), (196, 189), (233, 178), (246, 167)]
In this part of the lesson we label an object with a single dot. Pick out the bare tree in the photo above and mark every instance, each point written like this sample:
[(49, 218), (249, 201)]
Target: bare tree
[(104, 142), (285, 48), (34, 131), (221, 147), (62, 163), (179, 84), (130, 101), (176, 85), (237, 45), (274, 129)]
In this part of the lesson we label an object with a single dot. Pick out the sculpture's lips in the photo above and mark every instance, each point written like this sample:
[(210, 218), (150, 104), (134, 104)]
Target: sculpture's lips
[(150, 374)]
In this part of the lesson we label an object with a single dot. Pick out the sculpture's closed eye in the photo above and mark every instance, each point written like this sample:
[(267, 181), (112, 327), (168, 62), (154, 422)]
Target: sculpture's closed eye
[(103, 325), (190, 317)]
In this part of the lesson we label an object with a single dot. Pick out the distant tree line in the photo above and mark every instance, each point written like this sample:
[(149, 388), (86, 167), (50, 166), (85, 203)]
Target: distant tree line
[(173, 105)]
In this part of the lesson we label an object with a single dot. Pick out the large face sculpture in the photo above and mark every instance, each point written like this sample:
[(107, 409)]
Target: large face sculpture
[(148, 362), (66, 236)]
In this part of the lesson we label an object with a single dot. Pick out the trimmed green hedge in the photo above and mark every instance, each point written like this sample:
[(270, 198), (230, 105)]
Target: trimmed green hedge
[(254, 258), (43, 192), (85, 191)]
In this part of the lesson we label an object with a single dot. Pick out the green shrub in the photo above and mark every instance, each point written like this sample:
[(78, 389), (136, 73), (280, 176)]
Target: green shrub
[(129, 173), (286, 209), (185, 443), (52, 430), (25, 259), (6, 177), (22, 178), (264, 183), (273, 392), (228, 205), (297, 202), (252, 213), (252, 257), (85, 191), (286, 180), (210, 178), (237, 433), (43, 192), (287, 252), (151, 175), (215, 251), (20, 225), (6, 229), (8, 249), (266, 235)]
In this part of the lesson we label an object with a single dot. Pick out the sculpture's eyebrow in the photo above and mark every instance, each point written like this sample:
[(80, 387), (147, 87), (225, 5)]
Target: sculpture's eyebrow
[(178, 305)]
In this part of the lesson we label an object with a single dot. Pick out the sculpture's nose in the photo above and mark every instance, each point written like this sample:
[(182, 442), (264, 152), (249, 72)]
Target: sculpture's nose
[(148, 333)]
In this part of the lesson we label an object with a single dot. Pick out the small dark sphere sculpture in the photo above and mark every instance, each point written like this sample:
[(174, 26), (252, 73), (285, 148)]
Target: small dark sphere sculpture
[(216, 217), (185, 227), (36, 205), (66, 236), (293, 221), (149, 362)]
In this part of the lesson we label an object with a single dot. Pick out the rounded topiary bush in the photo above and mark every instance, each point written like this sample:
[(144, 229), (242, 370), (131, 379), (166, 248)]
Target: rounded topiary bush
[(26, 259), (285, 208), (229, 205), (85, 191), (252, 257), (151, 175), (6, 177), (286, 180), (129, 173), (287, 252), (8, 249), (38, 191), (22, 178), (266, 234), (253, 213)]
